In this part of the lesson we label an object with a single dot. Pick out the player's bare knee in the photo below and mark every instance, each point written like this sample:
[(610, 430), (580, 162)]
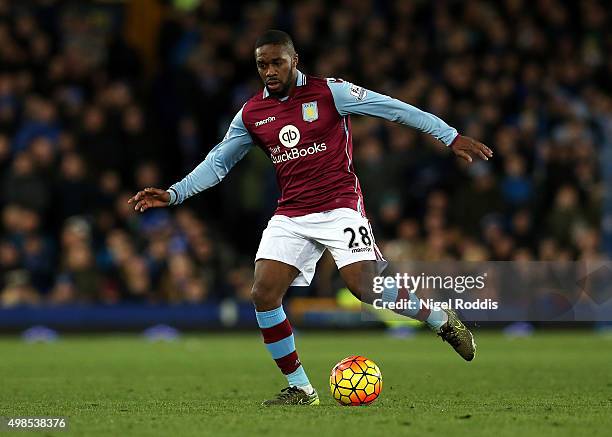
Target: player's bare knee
[(361, 287), (359, 279), (265, 296)]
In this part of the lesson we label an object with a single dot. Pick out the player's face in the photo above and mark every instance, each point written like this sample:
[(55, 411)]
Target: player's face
[(276, 67)]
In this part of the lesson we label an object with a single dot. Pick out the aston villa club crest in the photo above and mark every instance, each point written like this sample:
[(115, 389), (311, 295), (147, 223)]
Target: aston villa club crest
[(310, 112)]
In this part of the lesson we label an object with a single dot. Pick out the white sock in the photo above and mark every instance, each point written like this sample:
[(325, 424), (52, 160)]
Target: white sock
[(436, 320), (308, 389)]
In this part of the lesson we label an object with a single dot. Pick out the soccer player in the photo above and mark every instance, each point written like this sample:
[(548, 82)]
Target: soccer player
[(302, 123)]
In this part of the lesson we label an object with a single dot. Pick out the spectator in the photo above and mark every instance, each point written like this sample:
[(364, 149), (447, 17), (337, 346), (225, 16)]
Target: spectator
[(74, 189), (23, 186), (18, 290), (565, 216)]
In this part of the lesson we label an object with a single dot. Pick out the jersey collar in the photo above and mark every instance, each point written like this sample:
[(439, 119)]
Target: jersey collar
[(300, 81)]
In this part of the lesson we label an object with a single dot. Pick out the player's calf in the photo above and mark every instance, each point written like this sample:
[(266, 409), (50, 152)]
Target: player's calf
[(272, 278)]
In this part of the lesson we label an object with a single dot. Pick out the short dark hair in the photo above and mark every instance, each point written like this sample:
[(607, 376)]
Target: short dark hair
[(276, 37)]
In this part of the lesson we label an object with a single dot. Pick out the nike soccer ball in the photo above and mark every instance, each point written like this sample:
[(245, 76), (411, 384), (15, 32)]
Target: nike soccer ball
[(355, 380)]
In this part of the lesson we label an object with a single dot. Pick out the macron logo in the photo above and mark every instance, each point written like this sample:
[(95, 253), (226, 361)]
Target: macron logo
[(264, 121)]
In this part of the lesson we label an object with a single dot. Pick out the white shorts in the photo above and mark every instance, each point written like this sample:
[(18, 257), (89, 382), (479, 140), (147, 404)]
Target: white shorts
[(300, 241)]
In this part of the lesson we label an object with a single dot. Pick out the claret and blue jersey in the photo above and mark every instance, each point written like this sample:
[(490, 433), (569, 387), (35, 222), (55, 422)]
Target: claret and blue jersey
[(307, 136)]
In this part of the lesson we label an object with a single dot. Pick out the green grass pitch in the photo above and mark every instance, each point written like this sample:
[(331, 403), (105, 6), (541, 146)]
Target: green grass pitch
[(212, 384)]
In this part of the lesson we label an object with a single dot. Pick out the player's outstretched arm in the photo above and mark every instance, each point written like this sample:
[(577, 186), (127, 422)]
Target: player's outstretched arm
[(150, 198), (353, 99)]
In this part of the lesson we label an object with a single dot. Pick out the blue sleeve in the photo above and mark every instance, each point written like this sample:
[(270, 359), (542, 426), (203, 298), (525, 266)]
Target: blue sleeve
[(217, 164), (353, 99)]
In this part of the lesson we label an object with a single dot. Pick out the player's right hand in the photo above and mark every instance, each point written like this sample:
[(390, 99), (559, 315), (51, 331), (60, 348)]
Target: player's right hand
[(150, 198)]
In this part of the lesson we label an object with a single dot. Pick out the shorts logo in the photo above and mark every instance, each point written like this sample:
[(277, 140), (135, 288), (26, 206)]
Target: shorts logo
[(289, 136), (310, 112)]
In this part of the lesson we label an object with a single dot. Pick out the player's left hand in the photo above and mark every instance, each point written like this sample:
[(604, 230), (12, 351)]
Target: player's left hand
[(465, 147)]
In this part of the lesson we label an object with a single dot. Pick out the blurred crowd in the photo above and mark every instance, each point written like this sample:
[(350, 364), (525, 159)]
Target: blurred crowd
[(86, 119)]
